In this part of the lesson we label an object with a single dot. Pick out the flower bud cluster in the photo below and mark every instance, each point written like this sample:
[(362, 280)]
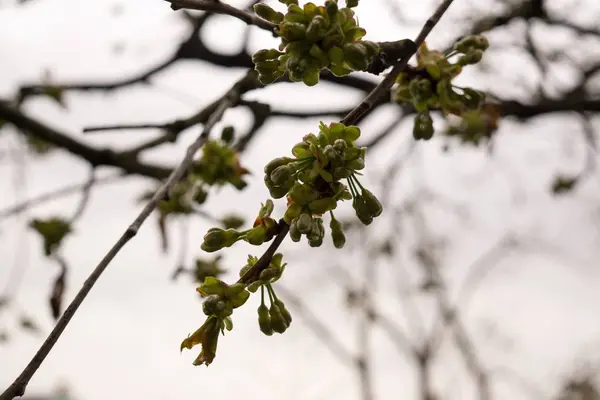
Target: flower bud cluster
[(429, 86), (311, 180), (313, 38)]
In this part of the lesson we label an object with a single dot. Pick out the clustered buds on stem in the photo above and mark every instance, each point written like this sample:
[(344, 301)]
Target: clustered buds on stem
[(429, 86), (311, 181), (313, 38)]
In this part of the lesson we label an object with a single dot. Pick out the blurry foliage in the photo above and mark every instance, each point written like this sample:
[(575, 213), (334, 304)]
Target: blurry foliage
[(53, 231)]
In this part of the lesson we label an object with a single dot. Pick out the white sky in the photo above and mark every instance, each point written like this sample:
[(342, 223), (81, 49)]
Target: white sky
[(124, 340)]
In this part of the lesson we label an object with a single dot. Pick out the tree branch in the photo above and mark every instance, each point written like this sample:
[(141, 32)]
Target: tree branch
[(17, 388), (216, 7)]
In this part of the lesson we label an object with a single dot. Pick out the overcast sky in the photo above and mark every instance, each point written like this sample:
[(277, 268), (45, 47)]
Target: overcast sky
[(124, 341)]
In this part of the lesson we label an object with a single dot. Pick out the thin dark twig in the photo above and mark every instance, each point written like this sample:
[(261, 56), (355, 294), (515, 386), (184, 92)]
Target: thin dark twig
[(221, 8), (85, 197), (17, 388)]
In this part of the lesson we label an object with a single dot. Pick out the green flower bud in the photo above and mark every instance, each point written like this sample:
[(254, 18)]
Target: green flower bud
[(340, 145), (336, 55), (278, 322), (302, 194), (350, 133), (213, 305), (373, 204), (277, 162), (300, 150), (257, 235), (311, 77), (264, 320), (337, 233), (227, 134), (267, 274), (292, 212), (216, 238), (266, 12), (315, 243), (423, 127), (362, 211), (295, 234), (292, 31), (265, 55), (356, 165), (472, 57), (331, 7), (281, 174), (286, 314), (355, 55), (372, 48), (341, 173), (351, 3), (278, 192), (304, 223), (317, 29), (331, 153)]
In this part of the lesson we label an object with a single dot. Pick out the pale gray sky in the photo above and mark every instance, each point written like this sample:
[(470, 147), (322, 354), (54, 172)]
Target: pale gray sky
[(124, 341)]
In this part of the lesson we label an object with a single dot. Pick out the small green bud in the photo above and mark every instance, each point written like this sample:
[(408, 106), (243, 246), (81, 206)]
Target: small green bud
[(265, 55), (266, 12), (372, 203), (331, 7), (304, 223), (317, 29), (472, 57), (302, 194), (286, 314), (355, 55), (351, 3), (362, 211), (264, 320), (356, 165), (330, 152), (257, 235), (216, 238), (337, 233), (295, 234), (213, 305), (316, 242), (293, 31), (292, 212), (267, 274), (278, 322), (341, 173), (423, 127), (227, 134), (276, 162), (340, 145), (281, 174)]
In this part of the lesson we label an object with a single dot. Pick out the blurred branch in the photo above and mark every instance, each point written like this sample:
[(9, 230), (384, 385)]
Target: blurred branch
[(96, 157), (17, 388), (85, 196), (55, 194), (316, 326)]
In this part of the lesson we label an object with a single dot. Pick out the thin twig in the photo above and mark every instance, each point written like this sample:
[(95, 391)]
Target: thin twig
[(316, 326), (85, 196), (55, 194), (17, 388), (216, 7), (390, 79)]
